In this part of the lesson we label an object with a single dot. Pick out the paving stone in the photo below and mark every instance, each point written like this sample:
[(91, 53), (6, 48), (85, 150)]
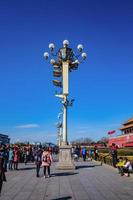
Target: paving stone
[(90, 181)]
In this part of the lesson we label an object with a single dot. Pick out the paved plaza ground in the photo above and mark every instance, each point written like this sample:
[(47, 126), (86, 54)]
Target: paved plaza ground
[(90, 181)]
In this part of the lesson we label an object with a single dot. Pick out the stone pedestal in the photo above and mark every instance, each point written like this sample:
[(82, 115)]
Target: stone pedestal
[(65, 158)]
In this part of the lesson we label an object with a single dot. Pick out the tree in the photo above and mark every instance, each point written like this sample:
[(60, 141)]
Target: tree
[(103, 140), (82, 141)]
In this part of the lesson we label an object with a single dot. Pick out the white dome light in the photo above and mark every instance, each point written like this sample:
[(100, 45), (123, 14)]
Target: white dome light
[(52, 61), (77, 62), (84, 55), (51, 46), (46, 55), (80, 47), (65, 43)]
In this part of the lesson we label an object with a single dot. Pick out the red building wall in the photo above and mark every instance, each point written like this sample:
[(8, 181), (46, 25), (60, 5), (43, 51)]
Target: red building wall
[(123, 140)]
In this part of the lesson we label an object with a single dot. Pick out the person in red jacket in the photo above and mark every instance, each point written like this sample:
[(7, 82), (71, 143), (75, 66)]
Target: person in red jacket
[(16, 158)]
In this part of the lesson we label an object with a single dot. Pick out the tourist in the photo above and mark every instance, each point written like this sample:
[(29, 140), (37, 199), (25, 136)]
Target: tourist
[(120, 165), (2, 170), (84, 153), (90, 154), (46, 161), (16, 157), (10, 159), (127, 168), (77, 152), (25, 156), (38, 160), (113, 152), (95, 153), (5, 155)]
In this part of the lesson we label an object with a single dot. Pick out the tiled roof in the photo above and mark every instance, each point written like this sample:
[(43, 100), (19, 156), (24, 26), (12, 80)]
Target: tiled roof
[(129, 121), (126, 126)]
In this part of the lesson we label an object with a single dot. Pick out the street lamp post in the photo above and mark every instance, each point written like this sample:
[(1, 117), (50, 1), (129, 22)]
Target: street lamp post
[(59, 133), (59, 129), (66, 61)]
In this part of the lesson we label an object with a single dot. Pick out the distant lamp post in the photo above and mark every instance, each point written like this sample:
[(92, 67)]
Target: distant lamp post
[(59, 129), (65, 61), (59, 133)]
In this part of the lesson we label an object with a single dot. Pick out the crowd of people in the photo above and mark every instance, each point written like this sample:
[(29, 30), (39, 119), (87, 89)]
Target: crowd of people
[(12, 155), (85, 153), (122, 163)]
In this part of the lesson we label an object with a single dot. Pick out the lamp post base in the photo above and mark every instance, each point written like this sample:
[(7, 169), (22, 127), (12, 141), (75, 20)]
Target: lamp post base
[(65, 158)]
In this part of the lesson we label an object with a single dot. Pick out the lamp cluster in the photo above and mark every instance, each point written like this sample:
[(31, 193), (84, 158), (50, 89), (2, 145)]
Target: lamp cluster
[(64, 54)]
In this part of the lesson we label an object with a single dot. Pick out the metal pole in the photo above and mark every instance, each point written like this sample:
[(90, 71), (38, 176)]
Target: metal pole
[(65, 70), (65, 121), (60, 135)]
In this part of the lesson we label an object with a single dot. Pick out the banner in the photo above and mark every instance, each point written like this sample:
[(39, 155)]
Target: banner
[(111, 132)]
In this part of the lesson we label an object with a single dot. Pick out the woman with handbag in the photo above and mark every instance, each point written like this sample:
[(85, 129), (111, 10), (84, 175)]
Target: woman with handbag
[(46, 161)]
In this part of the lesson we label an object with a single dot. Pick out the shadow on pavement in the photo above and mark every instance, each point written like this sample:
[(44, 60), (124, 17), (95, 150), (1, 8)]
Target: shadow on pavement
[(26, 168), (84, 166), (64, 174), (63, 198), (87, 166)]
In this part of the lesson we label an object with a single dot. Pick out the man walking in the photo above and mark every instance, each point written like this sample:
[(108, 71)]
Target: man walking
[(38, 159), (113, 152)]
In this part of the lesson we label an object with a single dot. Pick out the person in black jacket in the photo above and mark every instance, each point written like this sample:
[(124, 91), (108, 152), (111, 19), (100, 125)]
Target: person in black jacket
[(2, 170), (113, 152), (38, 160)]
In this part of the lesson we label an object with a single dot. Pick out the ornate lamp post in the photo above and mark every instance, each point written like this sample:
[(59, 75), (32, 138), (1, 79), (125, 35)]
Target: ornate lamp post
[(65, 61)]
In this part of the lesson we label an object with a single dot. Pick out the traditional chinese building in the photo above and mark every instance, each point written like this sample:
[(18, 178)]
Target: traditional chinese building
[(126, 138)]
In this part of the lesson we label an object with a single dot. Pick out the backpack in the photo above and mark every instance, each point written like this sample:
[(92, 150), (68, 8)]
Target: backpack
[(47, 159)]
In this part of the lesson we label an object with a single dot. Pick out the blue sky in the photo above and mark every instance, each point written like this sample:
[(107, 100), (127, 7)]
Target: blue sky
[(102, 86)]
